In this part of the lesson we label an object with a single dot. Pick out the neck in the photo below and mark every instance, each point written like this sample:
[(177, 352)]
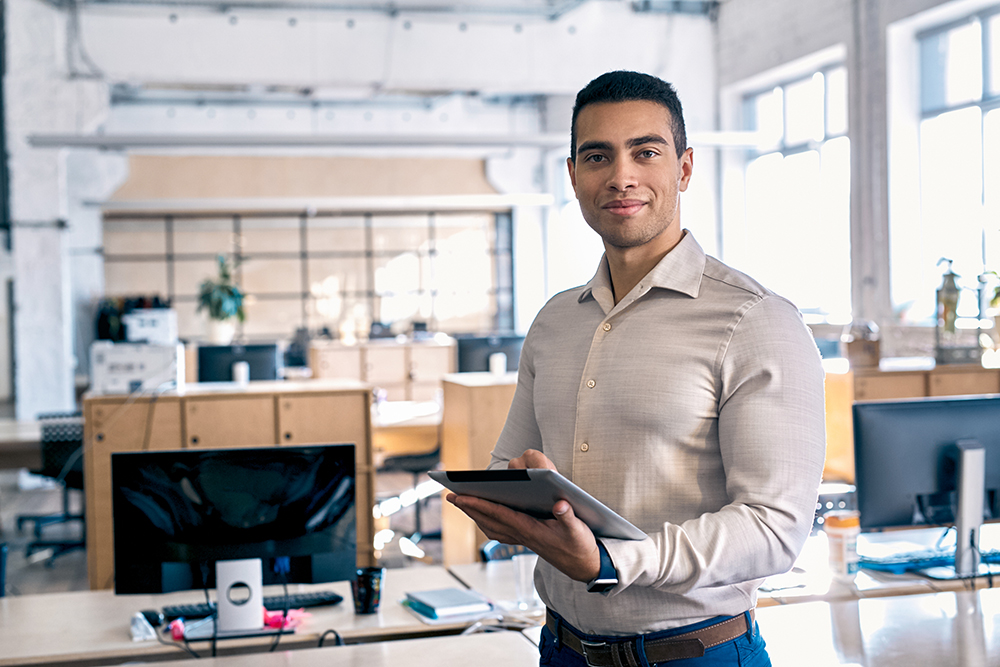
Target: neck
[(630, 265)]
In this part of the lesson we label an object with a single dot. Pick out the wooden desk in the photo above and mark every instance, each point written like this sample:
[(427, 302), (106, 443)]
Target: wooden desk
[(92, 627), (475, 410), (497, 649), (222, 415), (20, 444), (931, 630)]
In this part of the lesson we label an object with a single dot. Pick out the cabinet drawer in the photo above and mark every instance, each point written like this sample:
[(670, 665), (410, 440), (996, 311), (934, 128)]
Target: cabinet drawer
[(244, 421), (890, 386), (956, 384), (325, 419)]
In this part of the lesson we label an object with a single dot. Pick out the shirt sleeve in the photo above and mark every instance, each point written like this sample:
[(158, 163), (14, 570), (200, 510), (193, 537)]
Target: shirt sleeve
[(520, 432), (772, 442)]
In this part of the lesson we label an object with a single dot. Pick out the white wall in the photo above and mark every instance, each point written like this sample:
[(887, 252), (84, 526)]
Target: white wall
[(40, 96)]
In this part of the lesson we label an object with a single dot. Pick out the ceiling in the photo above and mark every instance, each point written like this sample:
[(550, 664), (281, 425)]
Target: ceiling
[(551, 9)]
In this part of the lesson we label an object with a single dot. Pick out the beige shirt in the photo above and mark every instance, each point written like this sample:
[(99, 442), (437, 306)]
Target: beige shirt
[(693, 408)]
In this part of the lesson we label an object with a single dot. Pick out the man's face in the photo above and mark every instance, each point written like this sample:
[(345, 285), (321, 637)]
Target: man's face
[(627, 174)]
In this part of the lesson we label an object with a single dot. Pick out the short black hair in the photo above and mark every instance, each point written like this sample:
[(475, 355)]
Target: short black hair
[(624, 86)]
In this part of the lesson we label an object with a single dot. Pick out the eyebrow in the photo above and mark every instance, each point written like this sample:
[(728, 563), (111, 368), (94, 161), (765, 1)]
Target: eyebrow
[(631, 143)]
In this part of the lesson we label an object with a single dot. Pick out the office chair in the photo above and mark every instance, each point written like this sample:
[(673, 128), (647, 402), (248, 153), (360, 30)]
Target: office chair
[(415, 464), (493, 550), (62, 460)]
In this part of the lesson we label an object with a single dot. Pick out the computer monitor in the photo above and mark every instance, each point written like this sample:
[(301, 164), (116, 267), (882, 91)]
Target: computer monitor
[(215, 362), (177, 513), (474, 351), (928, 461)]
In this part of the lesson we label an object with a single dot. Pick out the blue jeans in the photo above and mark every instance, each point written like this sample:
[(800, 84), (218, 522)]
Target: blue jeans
[(747, 650)]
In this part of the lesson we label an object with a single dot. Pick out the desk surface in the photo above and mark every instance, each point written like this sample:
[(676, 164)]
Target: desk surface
[(93, 626), (20, 444), (930, 630), (497, 649)]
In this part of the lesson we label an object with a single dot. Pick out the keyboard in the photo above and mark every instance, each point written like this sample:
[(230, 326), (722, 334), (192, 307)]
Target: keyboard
[(271, 603), (921, 559)]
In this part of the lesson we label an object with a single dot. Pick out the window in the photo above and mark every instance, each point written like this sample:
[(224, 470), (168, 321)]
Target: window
[(959, 153), (453, 270), (791, 227)]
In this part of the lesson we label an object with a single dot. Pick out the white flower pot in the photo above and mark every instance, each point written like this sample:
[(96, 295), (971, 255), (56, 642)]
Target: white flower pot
[(221, 332)]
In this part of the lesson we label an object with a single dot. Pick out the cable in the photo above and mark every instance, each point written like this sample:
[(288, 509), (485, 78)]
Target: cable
[(183, 647), (338, 640), (281, 566)]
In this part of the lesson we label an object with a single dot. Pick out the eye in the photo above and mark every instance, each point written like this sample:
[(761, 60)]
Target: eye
[(595, 157), (648, 153)]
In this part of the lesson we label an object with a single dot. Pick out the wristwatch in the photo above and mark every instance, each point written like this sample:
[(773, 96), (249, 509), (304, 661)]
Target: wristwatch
[(607, 577)]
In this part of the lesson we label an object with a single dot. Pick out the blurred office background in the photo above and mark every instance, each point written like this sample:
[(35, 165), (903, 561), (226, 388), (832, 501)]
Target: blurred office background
[(403, 163)]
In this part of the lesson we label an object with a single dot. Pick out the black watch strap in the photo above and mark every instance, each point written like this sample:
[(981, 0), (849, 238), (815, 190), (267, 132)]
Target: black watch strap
[(607, 577)]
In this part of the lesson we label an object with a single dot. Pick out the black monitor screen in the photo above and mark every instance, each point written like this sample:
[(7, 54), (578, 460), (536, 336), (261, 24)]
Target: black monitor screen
[(178, 512), (905, 458), (474, 352), (215, 362)]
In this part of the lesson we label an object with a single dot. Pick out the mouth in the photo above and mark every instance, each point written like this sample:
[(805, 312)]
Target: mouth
[(624, 206)]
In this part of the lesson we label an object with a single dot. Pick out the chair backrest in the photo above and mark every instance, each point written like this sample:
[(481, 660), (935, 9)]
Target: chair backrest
[(493, 550), (62, 441)]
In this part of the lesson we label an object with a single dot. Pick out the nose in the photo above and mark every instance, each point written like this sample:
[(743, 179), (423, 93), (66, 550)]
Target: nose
[(622, 175)]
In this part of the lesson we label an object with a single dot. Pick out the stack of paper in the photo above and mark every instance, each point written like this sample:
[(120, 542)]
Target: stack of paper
[(448, 603)]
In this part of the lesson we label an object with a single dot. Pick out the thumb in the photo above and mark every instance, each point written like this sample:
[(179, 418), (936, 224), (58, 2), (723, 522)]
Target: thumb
[(563, 511)]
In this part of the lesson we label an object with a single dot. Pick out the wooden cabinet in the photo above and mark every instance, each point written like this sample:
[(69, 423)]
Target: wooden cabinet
[(872, 384), (475, 410), (952, 380), (407, 371), (262, 414)]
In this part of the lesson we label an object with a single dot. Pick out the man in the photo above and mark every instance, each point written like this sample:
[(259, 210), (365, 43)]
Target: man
[(674, 389)]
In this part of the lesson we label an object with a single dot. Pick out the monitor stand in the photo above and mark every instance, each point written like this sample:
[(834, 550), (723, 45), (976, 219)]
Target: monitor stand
[(239, 603), (971, 473)]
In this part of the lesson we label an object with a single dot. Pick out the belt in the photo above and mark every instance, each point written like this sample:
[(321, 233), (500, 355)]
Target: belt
[(625, 652)]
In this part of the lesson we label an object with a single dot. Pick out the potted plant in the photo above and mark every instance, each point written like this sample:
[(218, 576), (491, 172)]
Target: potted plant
[(224, 302)]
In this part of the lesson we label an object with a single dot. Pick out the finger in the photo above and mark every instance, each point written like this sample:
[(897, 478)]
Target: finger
[(493, 529), (535, 459)]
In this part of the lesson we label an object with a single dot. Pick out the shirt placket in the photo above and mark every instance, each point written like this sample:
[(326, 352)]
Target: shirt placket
[(588, 395)]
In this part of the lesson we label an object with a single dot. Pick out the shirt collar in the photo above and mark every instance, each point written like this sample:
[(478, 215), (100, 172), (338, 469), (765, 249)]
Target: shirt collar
[(680, 270)]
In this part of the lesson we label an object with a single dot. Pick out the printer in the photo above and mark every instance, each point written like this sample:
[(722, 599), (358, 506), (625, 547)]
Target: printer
[(124, 368)]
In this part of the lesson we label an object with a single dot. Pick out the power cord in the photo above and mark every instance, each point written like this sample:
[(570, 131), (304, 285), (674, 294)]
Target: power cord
[(282, 565), (337, 641)]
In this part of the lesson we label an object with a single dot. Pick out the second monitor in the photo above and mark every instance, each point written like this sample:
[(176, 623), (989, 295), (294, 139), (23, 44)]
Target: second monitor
[(474, 352), (215, 362)]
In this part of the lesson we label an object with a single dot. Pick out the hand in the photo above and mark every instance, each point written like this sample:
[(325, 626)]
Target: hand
[(565, 541)]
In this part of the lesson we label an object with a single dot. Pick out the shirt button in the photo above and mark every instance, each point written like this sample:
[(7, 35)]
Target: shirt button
[(591, 384), (607, 326), (584, 447)]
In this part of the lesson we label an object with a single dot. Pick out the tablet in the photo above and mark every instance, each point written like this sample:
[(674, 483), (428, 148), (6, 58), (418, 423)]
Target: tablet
[(534, 491)]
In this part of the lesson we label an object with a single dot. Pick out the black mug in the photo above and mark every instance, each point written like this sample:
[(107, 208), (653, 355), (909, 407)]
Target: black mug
[(367, 589)]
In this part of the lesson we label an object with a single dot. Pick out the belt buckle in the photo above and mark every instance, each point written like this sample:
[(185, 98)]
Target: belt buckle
[(584, 645)]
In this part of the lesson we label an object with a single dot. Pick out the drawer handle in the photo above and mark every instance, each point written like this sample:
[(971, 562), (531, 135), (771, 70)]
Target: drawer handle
[(194, 440), (288, 436), (99, 436)]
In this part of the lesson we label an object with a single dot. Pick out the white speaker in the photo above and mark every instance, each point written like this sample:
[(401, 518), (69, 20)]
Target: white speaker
[(239, 591)]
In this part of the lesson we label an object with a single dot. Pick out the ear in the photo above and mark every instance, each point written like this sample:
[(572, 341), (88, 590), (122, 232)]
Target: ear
[(571, 166), (687, 167)]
